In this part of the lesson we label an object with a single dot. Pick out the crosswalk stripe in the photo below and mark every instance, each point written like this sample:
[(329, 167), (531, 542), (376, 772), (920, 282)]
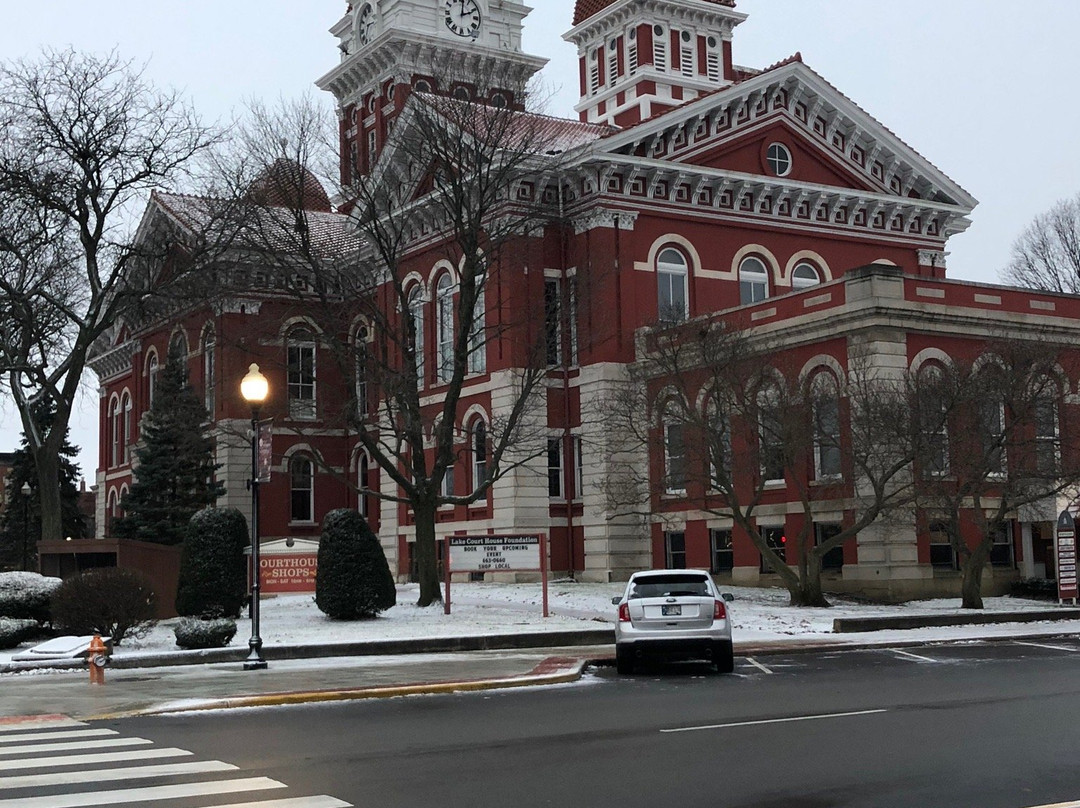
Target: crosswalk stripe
[(86, 760), (321, 801), (65, 746), (52, 736), (21, 725), (149, 794), (102, 776)]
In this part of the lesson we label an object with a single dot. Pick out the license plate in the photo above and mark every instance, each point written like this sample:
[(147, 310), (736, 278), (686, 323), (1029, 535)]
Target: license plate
[(670, 611)]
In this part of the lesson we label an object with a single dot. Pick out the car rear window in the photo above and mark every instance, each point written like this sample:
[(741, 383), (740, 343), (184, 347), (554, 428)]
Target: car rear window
[(659, 586)]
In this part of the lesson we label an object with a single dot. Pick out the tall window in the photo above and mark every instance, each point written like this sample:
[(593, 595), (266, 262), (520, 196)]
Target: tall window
[(300, 361), (674, 458), (675, 549), (479, 452), (660, 59), (127, 428), (671, 277), (1047, 439), (478, 333), (991, 415), (753, 281), (719, 446), (723, 554), (209, 346), (416, 312), (553, 321), (770, 435), (151, 378), (933, 411), (448, 482), (775, 541), (554, 468), (804, 275), (826, 414), (363, 475), (579, 468), (361, 371), (114, 427), (302, 481), (444, 306), (178, 348)]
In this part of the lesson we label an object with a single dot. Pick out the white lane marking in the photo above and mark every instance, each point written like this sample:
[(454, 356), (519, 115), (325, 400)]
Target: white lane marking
[(1050, 648), (149, 794), (769, 721), (86, 760), (909, 655), (52, 736), (45, 723), (757, 664), (109, 775), (71, 746), (1073, 804), (321, 801)]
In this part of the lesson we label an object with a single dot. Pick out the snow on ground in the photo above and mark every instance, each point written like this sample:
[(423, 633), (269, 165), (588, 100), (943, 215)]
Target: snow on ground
[(759, 615)]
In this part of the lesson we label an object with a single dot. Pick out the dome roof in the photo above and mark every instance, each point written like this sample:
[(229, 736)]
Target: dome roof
[(583, 9), (287, 184)]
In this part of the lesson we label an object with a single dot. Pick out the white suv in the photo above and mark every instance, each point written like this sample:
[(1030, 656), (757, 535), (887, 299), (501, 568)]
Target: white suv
[(676, 614)]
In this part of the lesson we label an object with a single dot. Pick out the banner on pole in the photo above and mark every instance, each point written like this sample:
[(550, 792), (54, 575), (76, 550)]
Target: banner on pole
[(1065, 555)]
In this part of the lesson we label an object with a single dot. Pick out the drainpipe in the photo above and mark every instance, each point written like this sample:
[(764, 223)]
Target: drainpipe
[(569, 464)]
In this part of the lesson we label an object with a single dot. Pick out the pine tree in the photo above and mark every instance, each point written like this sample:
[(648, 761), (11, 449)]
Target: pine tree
[(20, 526), (174, 478)]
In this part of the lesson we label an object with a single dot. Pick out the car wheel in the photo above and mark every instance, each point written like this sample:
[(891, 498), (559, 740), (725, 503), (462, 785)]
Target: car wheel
[(723, 657), (624, 660)]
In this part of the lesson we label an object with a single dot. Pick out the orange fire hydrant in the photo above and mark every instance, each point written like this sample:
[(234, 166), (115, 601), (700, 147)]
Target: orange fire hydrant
[(97, 657)]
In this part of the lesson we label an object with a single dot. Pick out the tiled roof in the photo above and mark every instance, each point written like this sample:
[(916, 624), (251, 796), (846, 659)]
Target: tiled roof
[(584, 9)]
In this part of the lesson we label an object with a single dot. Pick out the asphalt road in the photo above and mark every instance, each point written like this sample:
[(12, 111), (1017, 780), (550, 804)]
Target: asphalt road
[(968, 725)]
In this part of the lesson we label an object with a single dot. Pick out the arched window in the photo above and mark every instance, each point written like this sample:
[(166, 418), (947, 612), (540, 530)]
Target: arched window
[(1047, 432), (178, 348), (826, 413), (932, 403), (990, 419), (416, 312), (675, 467), (209, 362), (479, 452), (444, 324), (718, 439), (362, 370), (112, 510), (151, 378), (804, 275), (114, 429), (127, 427), (302, 489), (770, 434), (300, 375), (478, 333), (753, 280), (671, 280)]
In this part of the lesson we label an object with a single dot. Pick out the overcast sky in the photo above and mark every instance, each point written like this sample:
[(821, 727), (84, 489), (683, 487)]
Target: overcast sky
[(984, 89)]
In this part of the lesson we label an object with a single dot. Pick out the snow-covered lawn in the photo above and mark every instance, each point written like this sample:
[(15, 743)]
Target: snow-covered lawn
[(759, 615)]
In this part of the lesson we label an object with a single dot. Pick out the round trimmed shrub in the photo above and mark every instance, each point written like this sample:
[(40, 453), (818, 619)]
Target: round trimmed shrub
[(25, 595), (353, 580), (192, 632), (213, 567), (113, 602), (15, 632)]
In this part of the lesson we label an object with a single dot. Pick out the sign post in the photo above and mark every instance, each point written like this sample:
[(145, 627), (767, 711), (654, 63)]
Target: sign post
[(526, 553), (1065, 555)]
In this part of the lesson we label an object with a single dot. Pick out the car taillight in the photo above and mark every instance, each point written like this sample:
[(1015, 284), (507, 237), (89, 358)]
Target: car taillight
[(718, 610), (624, 612)]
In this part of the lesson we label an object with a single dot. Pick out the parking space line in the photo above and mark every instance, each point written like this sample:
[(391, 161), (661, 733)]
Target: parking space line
[(1073, 804), (909, 655), (774, 721), (757, 665), (1050, 648)]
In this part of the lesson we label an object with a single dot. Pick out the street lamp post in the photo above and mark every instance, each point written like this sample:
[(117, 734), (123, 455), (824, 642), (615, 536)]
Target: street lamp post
[(25, 491), (254, 388)]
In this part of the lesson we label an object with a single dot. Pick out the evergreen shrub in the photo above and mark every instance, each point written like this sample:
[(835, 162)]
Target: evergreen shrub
[(213, 567), (353, 579), (15, 632), (25, 595), (192, 632), (113, 602)]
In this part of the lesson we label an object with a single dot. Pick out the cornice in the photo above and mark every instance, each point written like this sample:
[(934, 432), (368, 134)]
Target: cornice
[(695, 13), (610, 218)]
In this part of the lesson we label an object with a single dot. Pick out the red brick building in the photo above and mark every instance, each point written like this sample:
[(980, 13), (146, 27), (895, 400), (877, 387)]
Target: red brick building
[(694, 187)]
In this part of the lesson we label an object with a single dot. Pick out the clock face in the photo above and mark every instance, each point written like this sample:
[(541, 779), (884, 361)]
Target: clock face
[(365, 27), (462, 17)]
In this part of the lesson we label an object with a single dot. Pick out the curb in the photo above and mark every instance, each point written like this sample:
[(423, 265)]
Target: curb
[(564, 670)]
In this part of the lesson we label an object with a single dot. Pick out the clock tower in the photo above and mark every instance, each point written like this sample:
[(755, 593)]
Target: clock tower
[(465, 49)]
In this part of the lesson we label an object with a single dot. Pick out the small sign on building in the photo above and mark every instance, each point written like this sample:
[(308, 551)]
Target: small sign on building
[(526, 553), (288, 566), (1065, 553)]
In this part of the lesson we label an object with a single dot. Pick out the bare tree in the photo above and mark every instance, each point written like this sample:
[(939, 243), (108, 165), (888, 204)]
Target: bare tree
[(82, 140), (991, 439), (728, 425), (1047, 254)]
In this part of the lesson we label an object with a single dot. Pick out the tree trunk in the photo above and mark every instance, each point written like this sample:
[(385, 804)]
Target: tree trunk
[(427, 568), (47, 463), (810, 593), (971, 584)]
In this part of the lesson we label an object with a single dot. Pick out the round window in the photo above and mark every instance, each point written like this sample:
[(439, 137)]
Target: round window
[(633, 33), (804, 275), (498, 100), (712, 42), (685, 36), (613, 44), (658, 30), (462, 94), (779, 159), (422, 86)]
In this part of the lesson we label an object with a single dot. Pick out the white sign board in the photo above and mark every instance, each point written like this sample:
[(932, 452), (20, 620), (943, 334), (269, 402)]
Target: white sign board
[(494, 553)]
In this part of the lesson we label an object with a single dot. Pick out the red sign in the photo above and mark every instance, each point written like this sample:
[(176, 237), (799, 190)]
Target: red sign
[(288, 573), (1065, 550)]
